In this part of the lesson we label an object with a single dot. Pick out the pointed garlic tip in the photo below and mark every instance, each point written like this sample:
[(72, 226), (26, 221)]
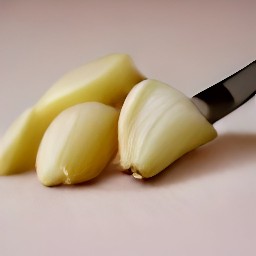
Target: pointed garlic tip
[(157, 125), (107, 80), (78, 144), (137, 176)]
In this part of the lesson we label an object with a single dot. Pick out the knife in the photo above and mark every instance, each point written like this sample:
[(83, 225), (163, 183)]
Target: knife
[(224, 97)]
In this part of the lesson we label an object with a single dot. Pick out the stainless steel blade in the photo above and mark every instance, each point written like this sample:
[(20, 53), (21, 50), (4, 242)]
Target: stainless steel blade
[(222, 98)]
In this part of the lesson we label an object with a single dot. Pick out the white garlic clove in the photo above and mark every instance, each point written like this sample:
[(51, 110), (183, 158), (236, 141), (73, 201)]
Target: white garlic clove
[(157, 125), (78, 144), (14, 147)]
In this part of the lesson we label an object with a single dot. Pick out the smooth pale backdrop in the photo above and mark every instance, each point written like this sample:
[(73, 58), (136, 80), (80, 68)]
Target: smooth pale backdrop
[(206, 203)]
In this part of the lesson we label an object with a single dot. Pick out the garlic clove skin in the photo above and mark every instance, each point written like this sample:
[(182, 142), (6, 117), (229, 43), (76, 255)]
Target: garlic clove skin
[(107, 80), (157, 125), (78, 144)]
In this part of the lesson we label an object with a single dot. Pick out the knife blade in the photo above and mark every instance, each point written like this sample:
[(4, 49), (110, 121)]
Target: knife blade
[(224, 97)]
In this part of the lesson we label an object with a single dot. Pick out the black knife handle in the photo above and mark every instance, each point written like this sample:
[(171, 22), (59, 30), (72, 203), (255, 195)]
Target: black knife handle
[(222, 98)]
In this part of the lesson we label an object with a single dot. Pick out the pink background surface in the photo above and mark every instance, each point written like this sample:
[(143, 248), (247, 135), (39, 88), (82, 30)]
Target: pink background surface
[(206, 203)]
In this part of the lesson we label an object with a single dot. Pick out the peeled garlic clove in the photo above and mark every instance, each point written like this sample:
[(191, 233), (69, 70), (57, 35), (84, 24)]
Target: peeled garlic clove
[(157, 125), (78, 144), (13, 147), (107, 80)]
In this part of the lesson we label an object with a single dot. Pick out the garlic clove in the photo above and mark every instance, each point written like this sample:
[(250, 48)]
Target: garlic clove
[(14, 147), (107, 80), (78, 144), (157, 125)]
